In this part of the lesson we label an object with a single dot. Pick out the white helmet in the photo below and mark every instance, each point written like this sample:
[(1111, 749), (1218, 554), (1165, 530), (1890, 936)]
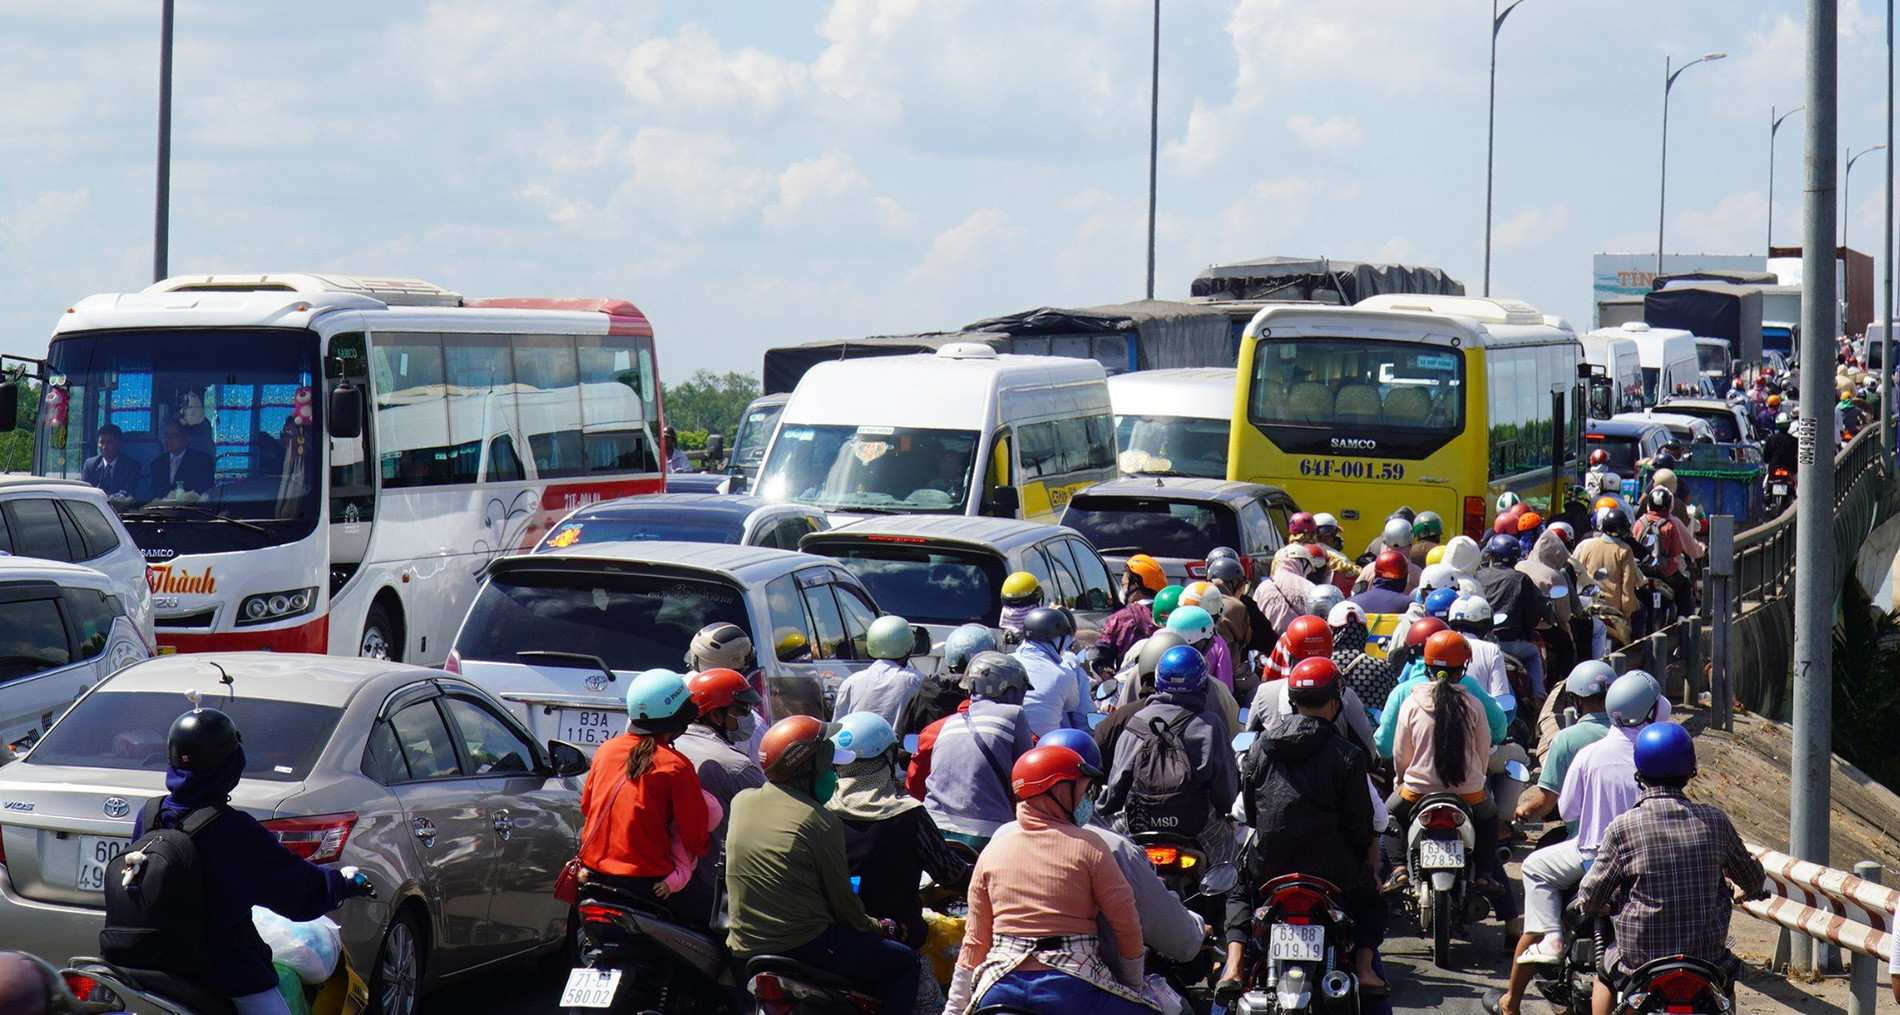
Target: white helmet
[(1463, 554), (1344, 613), (1397, 533), (1469, 609), (1324, 598), (1435, 577), (1323, 520)]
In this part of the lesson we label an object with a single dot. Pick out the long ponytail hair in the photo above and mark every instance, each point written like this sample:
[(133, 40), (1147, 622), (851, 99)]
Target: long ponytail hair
[(1450, 727), (640, 758)]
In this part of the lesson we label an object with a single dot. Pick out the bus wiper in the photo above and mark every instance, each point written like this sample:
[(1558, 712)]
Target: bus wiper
[(208, 513)]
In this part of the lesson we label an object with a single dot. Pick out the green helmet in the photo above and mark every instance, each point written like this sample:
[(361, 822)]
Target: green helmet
[(1165, 602), (890, 638), (1428, 526)]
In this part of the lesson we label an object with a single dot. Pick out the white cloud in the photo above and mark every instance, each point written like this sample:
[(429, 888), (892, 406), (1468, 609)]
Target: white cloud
[(688, 76), (1531, 228), (1330, 134)]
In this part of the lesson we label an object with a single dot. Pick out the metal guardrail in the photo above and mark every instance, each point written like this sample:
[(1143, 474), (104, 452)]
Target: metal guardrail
[(1850, 911)]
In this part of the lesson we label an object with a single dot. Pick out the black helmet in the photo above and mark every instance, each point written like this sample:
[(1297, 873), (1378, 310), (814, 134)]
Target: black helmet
[(202, 740), (1047, 624), (1664, 459), (1660, 499), (1229, 572), (1616, 522)]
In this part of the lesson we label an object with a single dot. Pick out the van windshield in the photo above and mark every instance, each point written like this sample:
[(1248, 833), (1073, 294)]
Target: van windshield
[(631, 621), (1172, 446), (884, 469)]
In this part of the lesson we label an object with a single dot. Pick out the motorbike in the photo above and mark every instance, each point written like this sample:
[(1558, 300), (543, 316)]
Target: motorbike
[(1678, 985), (635, 957), (1777, 493), (786, 986), (1568, 984), (99, 987), (1181, 865), (1305, 940), (1440, 850)]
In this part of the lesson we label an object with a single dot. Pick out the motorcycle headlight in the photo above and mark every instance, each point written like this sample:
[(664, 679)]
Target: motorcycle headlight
[(269, 607)]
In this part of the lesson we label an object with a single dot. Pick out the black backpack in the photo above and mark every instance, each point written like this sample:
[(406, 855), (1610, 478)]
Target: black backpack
[(161, 920), (1165, 793)]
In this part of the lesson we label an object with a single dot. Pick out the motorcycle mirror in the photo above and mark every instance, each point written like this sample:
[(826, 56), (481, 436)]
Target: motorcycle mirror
[(910, 743), (1219, 879), (1107, 688), (1499, 620), (1096, 719), (1602, 573), (1518, 771), (1244, 740), (1507, 702), (1245, 714), (1560, 592)]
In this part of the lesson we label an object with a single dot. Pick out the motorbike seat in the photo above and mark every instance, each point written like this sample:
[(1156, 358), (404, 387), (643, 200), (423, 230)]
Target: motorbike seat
[(1434, 799), (197, 999), (789, 967)]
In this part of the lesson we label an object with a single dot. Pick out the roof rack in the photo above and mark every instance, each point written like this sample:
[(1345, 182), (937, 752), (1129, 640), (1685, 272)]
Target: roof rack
[(395, 292)]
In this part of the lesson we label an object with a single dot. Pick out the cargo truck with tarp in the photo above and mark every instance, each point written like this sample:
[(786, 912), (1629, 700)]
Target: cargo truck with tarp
[(1711, 310), (1321, 280)]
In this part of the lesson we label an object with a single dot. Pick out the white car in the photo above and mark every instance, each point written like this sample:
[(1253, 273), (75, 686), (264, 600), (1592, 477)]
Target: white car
[(67, 520), (63, 628)]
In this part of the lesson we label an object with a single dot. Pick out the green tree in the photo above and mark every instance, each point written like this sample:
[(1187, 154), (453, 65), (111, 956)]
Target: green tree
[(709, 403)]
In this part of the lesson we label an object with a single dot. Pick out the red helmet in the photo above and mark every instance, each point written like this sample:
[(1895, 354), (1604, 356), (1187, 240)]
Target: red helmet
[(717, 688), (1599, 457), (1301, 524), (1389, 564), (1448, 650), (1422, 629), (794, 744), (1042, 769), (1309, 636), (1505, 525), (1315, 674)]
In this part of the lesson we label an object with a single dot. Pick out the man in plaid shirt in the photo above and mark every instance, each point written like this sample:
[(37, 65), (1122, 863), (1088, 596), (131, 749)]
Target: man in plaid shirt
[(1665, 869)]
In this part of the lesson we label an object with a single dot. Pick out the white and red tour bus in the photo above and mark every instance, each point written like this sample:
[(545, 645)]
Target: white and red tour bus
[(213, 410)]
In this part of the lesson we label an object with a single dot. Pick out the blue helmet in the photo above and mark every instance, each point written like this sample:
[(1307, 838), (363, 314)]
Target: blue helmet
[(1665, 750), (1078, 741), (1182, 669), (658, 701), (963, 645), (1504, 549), (1438, 602), (864, 734)]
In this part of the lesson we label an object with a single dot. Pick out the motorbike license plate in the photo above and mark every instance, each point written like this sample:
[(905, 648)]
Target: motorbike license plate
[(1292, 942), (587, 727), (94, 853), (1781, 489), (590, 988), (1439, 854), (1655, 600)]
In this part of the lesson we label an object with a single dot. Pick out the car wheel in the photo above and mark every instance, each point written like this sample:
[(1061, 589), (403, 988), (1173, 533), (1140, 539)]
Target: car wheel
[(379, 636), (396, 981)]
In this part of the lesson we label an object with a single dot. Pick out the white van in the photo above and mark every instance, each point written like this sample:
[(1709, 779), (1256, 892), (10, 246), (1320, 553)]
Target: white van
[(1668, 356), (1617, 383), (963, 431), (1173, 422)]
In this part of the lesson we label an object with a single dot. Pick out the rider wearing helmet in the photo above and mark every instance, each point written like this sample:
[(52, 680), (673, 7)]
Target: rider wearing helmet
[(1471, 616), (952, 771), (1197, 626), (1303, 537), (1417, 673), (788, 876), (1660, 905), (1512, 593), (1035, 899), (1305, 793), (944, 690), (1324, 598), (1286, 595), (1021, 593), (1367, 674), (1142, 578), (1463, 554), (1676, 544), (644, 814), (1397, 543), (1587, 686), (1393, 578), (1326, 527), (241, 863), (1165, 603), (1241, 622), (721, 647), (1058, 686), (1428, 533), (1305, 637), (887, 685), (717, 743), (890, 840), (1547, 565), (1179, 710), (1609, 551)]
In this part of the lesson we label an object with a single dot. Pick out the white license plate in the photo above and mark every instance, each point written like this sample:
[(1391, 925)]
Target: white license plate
[(1655, 600), (1294, 942), (588, 727), (590, 988), (95, 851), (1440, 854), (1781, 489)]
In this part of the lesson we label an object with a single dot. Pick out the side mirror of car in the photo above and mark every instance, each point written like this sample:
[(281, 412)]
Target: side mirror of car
[(1004, 502), (715, 446), (346, 411), (567, 759)]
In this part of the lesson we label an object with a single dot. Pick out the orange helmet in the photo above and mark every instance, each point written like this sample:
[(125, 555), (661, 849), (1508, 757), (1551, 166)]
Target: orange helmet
[(1529, 520), (1309, 636), (796, 743), (1389, 564), (1042, 769), (1774, 401), (1147, 571), (1422, 629), (717, 688), (1605, 503), (1447, 650)]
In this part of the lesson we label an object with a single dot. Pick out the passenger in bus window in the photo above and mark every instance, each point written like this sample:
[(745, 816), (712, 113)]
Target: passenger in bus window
[(179, 466), (109, 470)]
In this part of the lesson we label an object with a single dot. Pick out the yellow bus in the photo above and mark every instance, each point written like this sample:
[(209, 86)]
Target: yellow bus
[(1436, 403)]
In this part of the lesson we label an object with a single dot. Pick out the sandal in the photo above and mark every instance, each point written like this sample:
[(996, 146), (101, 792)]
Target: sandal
[(1400, 880)]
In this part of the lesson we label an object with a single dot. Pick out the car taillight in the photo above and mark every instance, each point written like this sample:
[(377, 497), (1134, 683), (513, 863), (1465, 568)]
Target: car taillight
[(771, 995), (1443, 818), (591, 913), (454, 663), (1246, 567), (1197, 570), (1299, 903), (1163, 856), (1474, 517), (318, 839), (1679, 987), (3, 846)]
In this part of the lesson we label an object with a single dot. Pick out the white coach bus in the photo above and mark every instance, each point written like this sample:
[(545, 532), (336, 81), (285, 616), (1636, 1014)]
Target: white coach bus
[(325, 463)]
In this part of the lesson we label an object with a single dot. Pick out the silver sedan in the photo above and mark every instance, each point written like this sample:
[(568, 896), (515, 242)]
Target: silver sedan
[(421, 779)]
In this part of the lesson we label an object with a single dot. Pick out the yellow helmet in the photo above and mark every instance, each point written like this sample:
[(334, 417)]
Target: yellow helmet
[(790, 644), (1021, 589), (1436, 555)]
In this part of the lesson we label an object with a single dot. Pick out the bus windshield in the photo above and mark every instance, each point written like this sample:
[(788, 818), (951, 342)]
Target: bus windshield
[(1308, 391), (755, 432), (871, 468), (203, 440), (1172, 446)]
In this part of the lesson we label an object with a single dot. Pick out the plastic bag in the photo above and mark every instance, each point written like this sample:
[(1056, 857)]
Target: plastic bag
[(943, 939), (309, 949), (290, 988)]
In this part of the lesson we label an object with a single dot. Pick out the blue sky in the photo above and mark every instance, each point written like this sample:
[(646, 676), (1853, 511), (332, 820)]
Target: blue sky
[(761, 172)]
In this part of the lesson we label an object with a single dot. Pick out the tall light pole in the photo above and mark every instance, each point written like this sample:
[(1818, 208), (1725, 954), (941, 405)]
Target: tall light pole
[(161, 225), (1662, 186), (1774, 127), (1886, 285), (1847, 210), (1154, 142), (1491, 132)]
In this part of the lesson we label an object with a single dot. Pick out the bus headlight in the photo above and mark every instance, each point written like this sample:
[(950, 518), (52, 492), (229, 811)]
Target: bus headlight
[(267, 607)]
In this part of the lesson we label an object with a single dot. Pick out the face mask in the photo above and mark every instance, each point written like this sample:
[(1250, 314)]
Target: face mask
[(1085, 811), (748, 722), (826, 785)]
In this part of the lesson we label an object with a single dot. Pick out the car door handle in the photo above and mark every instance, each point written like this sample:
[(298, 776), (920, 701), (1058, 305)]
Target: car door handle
[(504, 825), (424, 829)]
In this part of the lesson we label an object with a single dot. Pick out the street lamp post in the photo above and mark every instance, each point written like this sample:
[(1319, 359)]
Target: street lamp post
[(162, 212), (1662, 186), (1154, 142), (1847, 210), (1774, 126), (1491, 132)]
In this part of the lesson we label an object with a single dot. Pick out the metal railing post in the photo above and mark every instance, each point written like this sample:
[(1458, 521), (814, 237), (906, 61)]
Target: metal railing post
[(1721, 619), (1864, 990)]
